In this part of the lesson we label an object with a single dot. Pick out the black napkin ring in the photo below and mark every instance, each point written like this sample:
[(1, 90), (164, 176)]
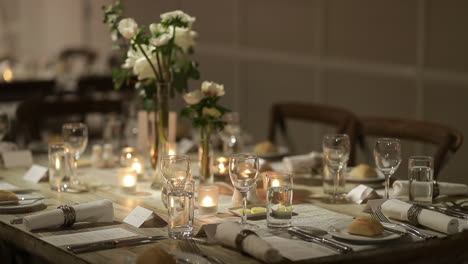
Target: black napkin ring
[(241, 236), (413, 214), (69, 215)]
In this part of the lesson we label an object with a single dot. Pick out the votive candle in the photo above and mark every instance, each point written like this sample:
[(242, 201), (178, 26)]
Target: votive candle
[(208, 196), (128, 179)]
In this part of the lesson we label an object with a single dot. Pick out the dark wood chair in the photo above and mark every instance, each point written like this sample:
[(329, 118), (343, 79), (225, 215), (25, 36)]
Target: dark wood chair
[(343, 120), (446, 139)]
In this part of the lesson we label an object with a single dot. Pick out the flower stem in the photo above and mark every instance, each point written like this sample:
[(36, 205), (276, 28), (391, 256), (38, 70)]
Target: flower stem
[(149, 61)]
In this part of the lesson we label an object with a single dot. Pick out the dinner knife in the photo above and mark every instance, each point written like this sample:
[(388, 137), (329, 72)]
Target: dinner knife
[(12, 202), (83, 248), (306, 236)]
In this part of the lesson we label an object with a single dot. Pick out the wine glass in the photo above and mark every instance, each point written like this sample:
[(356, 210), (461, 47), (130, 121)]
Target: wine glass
[(387, 155), (75, 135), (243, 171), (3, 125), (336, 148), (176, 170)]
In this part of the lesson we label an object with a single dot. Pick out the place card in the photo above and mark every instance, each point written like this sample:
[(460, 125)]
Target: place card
[(208, 231), (35, 173), (138, 216), (88, 237), (17, 159)]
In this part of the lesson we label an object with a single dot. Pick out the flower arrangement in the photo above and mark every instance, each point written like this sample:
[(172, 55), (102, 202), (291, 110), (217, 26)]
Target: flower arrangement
[(206, 114)]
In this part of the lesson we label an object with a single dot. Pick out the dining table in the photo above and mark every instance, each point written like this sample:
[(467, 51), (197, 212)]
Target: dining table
[(311, 207)]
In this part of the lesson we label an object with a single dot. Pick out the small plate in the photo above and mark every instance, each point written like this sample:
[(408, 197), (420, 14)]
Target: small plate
[(282, 151), (23, 205), (249, 206), (340, 231), (380, 177), (184, 257)]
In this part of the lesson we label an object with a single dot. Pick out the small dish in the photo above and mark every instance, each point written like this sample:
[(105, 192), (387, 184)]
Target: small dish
[(380, 177), (234, 211), (340, 231)]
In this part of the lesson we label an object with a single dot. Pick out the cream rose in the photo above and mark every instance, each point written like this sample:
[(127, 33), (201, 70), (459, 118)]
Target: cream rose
[(184, 37), (178, 13), (193, 97), (157, 28), (134, 54), (142, 68), (209, 111), (212, 89), (128, 28), (161, 40)]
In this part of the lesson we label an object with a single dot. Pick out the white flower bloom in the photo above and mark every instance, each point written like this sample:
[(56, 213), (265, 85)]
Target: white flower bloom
[(178, 13), (161, 40), (143, 69), (184, 37), (193, 97), (157, 28), (212, 89), (134, 55), (128, 28), (209, 111)]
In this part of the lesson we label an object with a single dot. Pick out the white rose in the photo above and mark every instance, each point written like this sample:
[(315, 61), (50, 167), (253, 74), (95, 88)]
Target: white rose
[(184, 37), (208, 111), (161, 40), (128, 28), (178, 13), (157, 28), (193, 97), (133, 55), (212, 89)]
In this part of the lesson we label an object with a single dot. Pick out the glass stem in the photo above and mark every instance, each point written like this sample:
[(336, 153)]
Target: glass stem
[(387, 185), (244, 205)]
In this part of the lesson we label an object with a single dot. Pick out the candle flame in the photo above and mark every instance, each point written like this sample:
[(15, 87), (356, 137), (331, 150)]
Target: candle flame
[(275, 183), (129, 181), (57, 164), (136, 166), (8, 75), (207, 201)]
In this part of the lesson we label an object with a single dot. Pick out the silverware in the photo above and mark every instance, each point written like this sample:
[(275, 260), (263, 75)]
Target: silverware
[(409, 228), (307, 236), (14, 202), (82, 248), (447, 211), (190, 246), (458, 206), (389, 229)]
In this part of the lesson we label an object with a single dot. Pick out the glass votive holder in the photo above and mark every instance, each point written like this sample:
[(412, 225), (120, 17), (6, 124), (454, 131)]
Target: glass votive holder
[(220, 167), (138, 166), (180, 207), (279, 199), (208, 196), (421, 179), (127, 156), (128, 179), (61, 167)]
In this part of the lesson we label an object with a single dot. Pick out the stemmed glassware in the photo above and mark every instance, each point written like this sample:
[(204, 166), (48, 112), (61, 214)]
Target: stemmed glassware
[(176, 170), (75, 137), (336, 148), (3, 125), (387, 155), (243, 171)]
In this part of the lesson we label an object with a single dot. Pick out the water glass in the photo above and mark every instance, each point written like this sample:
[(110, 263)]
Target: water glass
[(336, 148), (421, 176), (61, 167), (231, 134), (75, 135), (387, 155), (279, 199), (180, 206)]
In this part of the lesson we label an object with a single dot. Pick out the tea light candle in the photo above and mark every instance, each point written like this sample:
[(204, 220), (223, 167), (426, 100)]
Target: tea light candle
[(221, 166), (127, 179), (127, 156), (208, 199), (138, 167), (172, 148)]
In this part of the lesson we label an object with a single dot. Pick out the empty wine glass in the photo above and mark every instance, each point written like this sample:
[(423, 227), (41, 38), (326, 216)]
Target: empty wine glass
[(243, 171), (336, 148), (3, 125), (75, 135), (176, 170), (387, 155)]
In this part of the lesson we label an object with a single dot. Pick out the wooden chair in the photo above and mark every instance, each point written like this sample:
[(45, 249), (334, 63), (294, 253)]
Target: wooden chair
[(446, 139), (343, 120)]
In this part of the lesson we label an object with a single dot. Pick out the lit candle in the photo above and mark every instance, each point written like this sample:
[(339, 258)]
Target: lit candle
[(208, 199), (127, 179), (127, 156), (220, 168), (172, 148), (8, 75), (138, 167)]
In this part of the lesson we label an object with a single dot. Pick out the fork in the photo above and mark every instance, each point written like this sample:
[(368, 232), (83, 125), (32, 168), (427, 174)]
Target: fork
[(391, 230), (411, 229), (191, 246)]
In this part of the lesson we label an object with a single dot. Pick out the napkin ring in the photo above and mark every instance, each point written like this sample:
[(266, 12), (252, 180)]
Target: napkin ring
[(413, 214), (241, 236), (69, 215)]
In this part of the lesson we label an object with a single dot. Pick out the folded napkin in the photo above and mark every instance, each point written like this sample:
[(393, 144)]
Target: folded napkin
[(253, 245), (361, 194), (101, 211), (401, 188), (398, 210), (303, 163)]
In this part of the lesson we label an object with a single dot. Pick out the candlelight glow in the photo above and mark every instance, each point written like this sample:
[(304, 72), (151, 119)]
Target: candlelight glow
[(275, 183), (171, 152), (207, 201), (57, 164), (137, 167), (8, 75), (129, 181)]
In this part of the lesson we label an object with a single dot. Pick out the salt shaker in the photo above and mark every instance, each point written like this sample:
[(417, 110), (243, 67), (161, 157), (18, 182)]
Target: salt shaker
[(108, 156), (97, 160)]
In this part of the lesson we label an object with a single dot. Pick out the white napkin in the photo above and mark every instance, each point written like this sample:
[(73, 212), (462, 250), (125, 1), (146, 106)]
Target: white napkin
[(303, 163), (401, 188), (361, 194), (398, 210), (101, 211), (258, 248)]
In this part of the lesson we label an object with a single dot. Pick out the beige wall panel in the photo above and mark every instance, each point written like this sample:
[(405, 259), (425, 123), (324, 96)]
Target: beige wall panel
[(267, 83), (215, 20), (275, 25), (446, 35), (382, 31), (446, 103), (147, 11)]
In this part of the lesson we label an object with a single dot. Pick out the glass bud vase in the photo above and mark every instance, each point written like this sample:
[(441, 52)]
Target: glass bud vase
[(205, 156)]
